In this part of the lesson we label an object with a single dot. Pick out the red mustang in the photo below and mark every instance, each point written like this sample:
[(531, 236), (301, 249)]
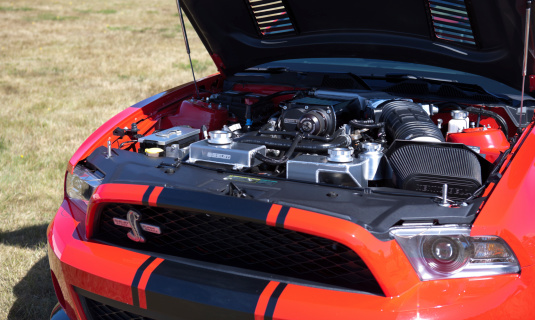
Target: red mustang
[(351, 160)]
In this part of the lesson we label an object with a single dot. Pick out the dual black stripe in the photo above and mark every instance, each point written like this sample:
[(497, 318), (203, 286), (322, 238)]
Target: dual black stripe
[(146, 196), (196, 201), (282, 216), (195, 292), (272, 303), (137, 278)]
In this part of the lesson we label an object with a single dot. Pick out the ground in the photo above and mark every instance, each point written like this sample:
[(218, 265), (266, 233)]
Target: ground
[(65, 68)]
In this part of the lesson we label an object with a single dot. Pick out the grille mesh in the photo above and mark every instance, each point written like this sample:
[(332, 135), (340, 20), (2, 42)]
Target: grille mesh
[(271, 17), (99, 311), (451, 21), (243, 244)]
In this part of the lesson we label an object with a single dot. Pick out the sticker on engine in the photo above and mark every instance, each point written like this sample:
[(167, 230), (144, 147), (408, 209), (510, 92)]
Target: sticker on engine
[(250, 180), (218, 155)]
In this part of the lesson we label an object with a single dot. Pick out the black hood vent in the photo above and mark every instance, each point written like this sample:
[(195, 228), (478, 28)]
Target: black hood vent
[(271, 17), (451, 21)]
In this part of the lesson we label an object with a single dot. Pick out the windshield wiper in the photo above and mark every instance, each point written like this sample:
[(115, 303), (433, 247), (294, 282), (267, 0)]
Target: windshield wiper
[(271, 70), (443, 88)]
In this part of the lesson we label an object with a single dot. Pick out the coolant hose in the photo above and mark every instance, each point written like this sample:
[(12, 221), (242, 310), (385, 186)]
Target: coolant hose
[(285, 158), (499, 119)]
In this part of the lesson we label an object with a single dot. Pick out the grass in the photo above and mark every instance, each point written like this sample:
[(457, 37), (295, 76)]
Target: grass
[(65, 68)]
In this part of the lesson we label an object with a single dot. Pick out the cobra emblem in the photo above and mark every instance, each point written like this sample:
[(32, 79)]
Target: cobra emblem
[(133, 217), (135, 233)]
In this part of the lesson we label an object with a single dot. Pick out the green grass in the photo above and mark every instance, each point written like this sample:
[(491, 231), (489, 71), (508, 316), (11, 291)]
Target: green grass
[(66, 67), (47, 16), (107, 11), (15, 9)]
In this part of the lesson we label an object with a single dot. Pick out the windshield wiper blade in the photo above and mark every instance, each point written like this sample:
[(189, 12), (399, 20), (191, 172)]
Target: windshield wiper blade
[(269, 70), (408, 76)]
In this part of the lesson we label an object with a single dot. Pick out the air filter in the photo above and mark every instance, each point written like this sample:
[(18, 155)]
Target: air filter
[(425, 167)]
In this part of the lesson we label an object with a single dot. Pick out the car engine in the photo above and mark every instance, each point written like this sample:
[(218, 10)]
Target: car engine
[(341, 138)]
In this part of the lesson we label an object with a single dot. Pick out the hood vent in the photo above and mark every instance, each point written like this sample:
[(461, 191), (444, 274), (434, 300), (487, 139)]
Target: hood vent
[(271, 17), (451, 21)]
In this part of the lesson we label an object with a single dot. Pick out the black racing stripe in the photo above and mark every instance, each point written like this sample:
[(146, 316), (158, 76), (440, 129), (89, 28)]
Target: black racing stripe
[(282, 216), (146, 196), (251, 210), (272, 303), (137, 277), (195, 292)]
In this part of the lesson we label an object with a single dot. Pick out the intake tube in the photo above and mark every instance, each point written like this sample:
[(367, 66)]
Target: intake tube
[(405, 120)]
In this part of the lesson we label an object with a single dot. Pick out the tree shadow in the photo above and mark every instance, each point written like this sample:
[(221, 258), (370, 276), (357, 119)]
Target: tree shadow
[(28, 237), (35, 292)]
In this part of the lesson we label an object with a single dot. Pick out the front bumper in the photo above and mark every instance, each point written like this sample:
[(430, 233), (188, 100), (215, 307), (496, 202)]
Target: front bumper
[(92, 279)]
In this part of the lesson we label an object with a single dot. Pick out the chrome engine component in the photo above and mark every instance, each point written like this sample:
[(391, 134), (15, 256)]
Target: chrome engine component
[(236, 154), (220, 137), (342, 155), (174, 141), (319, 169), (376, 166), (459, 121)]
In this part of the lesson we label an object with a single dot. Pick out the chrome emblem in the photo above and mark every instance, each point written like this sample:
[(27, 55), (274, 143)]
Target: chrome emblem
[(132, 222)]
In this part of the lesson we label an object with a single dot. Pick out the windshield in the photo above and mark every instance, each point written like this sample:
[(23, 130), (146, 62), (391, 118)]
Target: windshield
[(380, 68)]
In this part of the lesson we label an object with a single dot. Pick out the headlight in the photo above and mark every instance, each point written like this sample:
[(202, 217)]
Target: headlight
[(450, 252), (81, 184)]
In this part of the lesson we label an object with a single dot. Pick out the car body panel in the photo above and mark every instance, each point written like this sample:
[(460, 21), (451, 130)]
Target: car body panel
[(140, 110), (403, 31), (135, 279), (506, 212)]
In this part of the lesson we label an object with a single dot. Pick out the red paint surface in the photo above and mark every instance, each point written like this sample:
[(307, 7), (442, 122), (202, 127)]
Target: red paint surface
[(196, 113), (273, 213), (385, 259), (509, 212), (146, 109), (492, 142), (263, 301)]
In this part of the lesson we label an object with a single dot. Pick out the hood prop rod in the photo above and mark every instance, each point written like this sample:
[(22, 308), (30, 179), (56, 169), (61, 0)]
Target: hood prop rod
[(187, 45), (525, 62)]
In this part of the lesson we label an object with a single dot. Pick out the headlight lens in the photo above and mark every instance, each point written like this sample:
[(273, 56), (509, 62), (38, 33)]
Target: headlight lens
[(450, 252), (81, 184)]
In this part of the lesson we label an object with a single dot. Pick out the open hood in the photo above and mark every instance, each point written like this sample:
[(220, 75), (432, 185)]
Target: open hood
[(478, 36)]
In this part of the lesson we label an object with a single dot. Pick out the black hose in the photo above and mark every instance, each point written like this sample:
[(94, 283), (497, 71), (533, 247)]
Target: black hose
[(285, 158), (366, 124), (406, 120), (305, 135), (499, 119), (341, 141)]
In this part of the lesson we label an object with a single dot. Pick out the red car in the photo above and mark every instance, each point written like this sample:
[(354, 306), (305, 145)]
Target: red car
[(350, 160)]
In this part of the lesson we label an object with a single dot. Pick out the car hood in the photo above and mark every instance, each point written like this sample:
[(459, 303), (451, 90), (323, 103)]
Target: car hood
[(477, 36)]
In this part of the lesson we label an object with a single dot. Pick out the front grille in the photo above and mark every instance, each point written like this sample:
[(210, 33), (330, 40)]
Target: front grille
[(243, 244), (98, 310)]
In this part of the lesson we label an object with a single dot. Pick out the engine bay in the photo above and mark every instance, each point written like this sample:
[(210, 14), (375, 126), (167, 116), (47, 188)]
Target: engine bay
[(341, 138)]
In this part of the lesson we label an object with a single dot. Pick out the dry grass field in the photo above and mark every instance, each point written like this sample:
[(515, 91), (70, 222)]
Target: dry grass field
[(66, 66)]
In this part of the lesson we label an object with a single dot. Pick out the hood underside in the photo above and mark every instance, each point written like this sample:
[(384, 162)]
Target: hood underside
[(478, 36)]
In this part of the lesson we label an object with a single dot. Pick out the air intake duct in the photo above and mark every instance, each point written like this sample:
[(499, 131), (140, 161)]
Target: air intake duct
[(425, 167), (405, 120)]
